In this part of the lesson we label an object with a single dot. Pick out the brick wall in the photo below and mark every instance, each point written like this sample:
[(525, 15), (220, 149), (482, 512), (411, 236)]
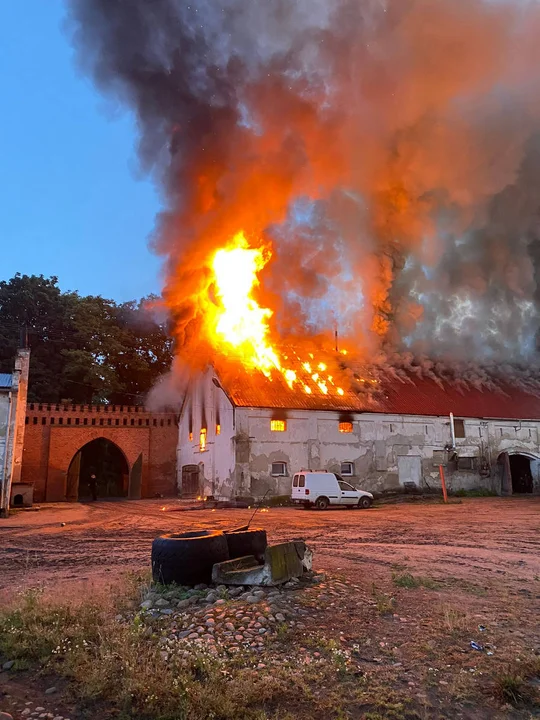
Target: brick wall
[(55, 433)]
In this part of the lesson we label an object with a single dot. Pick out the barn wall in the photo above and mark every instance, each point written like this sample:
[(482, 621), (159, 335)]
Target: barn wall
[(386, 451), (207, 405)]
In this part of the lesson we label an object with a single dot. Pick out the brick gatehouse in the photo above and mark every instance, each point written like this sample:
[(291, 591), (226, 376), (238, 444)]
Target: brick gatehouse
[(56, 436)]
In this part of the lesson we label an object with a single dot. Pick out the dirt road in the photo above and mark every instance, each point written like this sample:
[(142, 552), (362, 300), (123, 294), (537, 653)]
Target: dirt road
[(408, 587), (491, 543)]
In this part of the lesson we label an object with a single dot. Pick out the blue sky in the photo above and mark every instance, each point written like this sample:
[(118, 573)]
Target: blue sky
[(71, 204)]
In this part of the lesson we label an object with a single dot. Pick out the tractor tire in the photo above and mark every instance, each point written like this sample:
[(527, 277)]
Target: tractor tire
[(246, 542), (187, 558)]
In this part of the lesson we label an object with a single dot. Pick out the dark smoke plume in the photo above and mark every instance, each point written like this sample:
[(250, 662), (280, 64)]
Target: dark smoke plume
[(389, 150)]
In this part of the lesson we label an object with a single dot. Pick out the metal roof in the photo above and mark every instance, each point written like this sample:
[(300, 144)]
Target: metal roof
[(408, 395), (6, 380)]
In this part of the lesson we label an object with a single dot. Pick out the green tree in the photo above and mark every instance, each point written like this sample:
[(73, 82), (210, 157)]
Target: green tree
[(84, 349)]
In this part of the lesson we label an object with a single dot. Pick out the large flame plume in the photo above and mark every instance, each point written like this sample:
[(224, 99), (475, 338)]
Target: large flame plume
[(384, 154)]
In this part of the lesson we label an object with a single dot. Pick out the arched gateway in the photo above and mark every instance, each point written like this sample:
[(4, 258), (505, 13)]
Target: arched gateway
[(519, 471), (102, 459), (132, 451)]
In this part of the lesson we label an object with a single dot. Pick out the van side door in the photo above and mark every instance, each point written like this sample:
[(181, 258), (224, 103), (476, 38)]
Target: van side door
[(349, 495)]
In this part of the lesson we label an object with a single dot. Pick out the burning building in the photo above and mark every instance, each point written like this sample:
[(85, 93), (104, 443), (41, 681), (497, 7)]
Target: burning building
[(240, 436), (371, 166)]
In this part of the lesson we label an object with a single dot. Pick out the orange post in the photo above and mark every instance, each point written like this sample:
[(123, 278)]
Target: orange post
[(441, 473)]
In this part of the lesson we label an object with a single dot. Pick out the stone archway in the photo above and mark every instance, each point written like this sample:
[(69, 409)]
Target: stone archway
[(519, 471), (102, 458)]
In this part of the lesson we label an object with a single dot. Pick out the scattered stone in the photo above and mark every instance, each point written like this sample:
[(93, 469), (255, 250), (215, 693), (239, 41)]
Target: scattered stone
[(40, 709), (26, 711), (220, 602), (235, 591), (193, 636), (50, 691), (161, 603), (166, 611), (184, 603), (229, 626), (252, 599), (280, 617), (201, 586), (211, 597), (5, 716)]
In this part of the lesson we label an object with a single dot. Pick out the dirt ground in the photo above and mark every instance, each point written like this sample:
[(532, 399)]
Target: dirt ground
[(490, 543), (474, 564)]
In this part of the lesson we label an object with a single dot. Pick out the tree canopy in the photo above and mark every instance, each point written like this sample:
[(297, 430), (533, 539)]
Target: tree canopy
[(83, 349)]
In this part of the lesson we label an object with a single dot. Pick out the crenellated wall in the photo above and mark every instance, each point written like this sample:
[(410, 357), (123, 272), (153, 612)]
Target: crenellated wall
[(55, 433)]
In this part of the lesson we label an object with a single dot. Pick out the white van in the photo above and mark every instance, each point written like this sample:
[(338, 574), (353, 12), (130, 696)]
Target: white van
[(321, 489)]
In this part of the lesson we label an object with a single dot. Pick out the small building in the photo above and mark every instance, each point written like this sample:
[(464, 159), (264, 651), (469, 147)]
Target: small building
[(13, 393), (247, 435)]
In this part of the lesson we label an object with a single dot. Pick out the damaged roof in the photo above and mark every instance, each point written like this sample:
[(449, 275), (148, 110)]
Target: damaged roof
[(409, 395)]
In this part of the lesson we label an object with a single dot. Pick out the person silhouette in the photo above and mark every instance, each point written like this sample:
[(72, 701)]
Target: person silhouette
[(93, 486)]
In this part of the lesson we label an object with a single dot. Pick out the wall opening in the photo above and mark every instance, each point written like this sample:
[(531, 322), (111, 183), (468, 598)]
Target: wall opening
[(18, 501), (106, 461), (520, 468)]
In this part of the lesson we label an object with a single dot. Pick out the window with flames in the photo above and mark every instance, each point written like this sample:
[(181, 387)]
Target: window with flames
[(202, 440), (278, 425), (345, 427)]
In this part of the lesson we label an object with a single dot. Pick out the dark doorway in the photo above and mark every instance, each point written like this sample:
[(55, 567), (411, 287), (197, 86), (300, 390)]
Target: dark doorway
[(106, 461), (522, 481), (190, 481), (18, 501)]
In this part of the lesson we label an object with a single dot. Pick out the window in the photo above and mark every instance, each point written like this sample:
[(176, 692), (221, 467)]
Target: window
[(202, 440), (295, 481), (190, 436), (302, 481), (345, 427), (466, 464), (345, 486), (347, 468), (279, 469), (459, 428), (278, 425), (218, 429)]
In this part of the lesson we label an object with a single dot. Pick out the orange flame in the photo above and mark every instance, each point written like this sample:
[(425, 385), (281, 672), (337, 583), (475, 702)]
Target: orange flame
[(237, 325)]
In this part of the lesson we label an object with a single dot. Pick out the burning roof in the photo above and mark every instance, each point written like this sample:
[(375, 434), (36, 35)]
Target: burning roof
[(399, 395)]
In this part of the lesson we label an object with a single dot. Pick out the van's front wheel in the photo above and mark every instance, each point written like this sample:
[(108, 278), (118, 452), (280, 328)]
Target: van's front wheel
[(322, 503)]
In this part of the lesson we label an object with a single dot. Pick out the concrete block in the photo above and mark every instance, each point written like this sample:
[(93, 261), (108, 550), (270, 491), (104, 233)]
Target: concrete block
[(281, 563)]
